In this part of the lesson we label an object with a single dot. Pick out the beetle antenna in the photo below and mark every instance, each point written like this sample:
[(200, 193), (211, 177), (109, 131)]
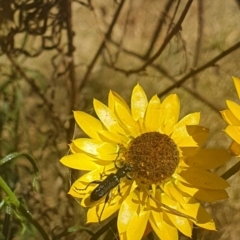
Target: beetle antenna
[(171, 210)]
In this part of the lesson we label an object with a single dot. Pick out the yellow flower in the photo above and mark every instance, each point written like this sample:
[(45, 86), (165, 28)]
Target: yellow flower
[(152, 165), (232, 117)]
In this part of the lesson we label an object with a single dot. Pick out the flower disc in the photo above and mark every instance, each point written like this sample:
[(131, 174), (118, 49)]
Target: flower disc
[(153, 157)]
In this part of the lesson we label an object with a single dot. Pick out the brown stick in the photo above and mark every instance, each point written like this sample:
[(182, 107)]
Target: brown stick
[(71, 67), (174, 31), (200, 69), (101, 47)]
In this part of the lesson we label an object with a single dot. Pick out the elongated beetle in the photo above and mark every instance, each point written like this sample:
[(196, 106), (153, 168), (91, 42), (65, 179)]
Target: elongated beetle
[(105, 186), (110, 182)]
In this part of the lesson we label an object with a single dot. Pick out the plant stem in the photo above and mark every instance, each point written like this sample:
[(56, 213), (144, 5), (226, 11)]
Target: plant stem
[(16, 203)]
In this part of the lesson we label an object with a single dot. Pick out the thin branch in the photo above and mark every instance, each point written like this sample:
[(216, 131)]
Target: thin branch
[(123, 34), (188, 89), (71, 67), (88, 5), (101, 47), (199, 38), (174, 31), (200, 69), (29, 81), (158, 28), (231, 171), (174, 15), (35, 88)]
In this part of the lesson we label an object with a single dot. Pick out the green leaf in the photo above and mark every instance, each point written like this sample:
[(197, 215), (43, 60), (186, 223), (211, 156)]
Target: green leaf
[(15, 155)]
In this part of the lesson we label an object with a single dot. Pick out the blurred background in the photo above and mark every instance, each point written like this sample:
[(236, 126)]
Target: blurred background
[(57, 55)]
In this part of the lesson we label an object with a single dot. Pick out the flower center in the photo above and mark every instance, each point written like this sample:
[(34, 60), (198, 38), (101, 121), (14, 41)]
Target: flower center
[(153, 157)]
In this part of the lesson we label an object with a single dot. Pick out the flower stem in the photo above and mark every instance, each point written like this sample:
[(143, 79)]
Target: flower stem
[(230, 172)]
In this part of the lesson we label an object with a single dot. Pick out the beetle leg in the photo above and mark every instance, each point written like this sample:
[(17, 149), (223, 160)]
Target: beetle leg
[(105, 202), (119, 190), (82, 189), (129, 176), (103, 174)]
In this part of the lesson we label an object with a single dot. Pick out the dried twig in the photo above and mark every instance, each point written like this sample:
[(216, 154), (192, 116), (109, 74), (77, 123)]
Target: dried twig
[(35, 88), (158, 28), (199, 38), (101, 47), (193, 72), (174, 31), (71, 67)]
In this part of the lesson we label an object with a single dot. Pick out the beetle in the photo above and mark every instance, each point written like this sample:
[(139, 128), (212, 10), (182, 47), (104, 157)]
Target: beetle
[(105, 186), (110, 182)]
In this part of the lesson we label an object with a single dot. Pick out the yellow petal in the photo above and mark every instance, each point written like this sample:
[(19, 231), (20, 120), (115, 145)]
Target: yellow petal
[(200, 178), (162, 198), (208, 195), (137, 225), (88, 124), (171, 206), (123, 236), (107, 117), (234, 133), (228, 116), (234, 108), (182, 224), (101, 212), (237, 85), (189, 135), (107, 136), (199, 133), (204, 219), (185, 141), (170, 189), (208, 158), (190, 119), (104, 150), (188, 151), (121, 191), (79, 161), (75, 193), (191, 206), (153, 116), (80, 189), (114, 98), (171, 110), (109, 210), (141, 126), (126, 120), (91, 176), (74, 149), (139, 102), (127, 210), (97, 173), (164, 230), (235, 148), (211, 195)]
